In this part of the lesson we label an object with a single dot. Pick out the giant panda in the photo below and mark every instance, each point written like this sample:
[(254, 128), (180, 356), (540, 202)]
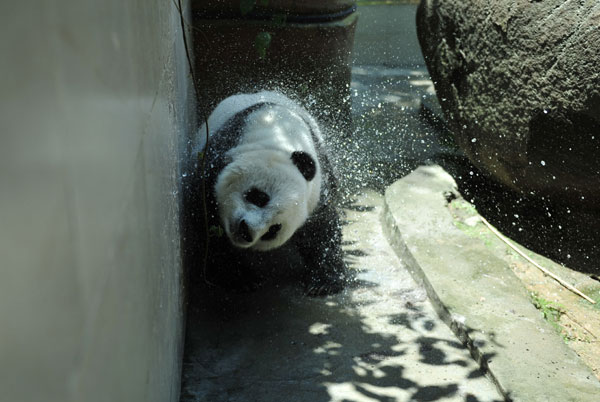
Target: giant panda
[(269, 186)]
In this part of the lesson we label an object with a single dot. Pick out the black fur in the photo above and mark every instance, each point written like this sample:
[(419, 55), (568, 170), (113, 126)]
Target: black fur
[(257, 197), (305, 164), (319, 243), (272, 233)]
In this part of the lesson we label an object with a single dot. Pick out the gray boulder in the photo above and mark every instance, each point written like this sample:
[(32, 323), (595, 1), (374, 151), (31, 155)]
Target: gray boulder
[(519, 84)]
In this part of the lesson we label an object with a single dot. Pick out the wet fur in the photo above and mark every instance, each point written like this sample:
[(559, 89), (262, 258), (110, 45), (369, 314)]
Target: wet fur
[(257, 149)]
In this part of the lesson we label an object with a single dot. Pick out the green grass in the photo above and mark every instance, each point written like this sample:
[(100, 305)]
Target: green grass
[(465, 206), (462, 210), (551, 312)]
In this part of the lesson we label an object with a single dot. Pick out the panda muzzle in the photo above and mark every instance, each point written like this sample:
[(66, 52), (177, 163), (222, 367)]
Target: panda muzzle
[(243, 232)]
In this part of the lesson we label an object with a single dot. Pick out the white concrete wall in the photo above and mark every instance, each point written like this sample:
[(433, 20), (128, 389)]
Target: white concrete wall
[(92, 107)]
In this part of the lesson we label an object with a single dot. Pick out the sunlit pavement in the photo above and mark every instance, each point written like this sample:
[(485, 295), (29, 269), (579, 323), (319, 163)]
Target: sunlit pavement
[(378, 340)]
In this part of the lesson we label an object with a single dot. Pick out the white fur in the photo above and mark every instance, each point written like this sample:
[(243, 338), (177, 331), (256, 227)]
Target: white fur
[(262, 159), (236, 103)]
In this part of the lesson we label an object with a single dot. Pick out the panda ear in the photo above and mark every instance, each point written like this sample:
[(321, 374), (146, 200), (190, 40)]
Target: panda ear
[(305, 164)]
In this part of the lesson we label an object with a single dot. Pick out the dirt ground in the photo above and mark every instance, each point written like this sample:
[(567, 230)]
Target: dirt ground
[(575, 319)]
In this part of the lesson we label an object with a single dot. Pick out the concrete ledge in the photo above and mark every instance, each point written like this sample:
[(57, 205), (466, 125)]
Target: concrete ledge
[(479, 297)]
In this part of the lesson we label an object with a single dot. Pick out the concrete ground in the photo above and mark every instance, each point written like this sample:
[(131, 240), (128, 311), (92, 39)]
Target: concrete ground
[(477, 294), (380, 340), (431, 307)]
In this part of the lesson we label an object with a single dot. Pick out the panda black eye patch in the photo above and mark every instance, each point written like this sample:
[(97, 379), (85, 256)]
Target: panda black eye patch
[(257, 197), (305, 164), (272, 232)]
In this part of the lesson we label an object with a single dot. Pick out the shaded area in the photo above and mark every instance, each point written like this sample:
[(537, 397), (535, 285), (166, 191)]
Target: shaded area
[(310, 359), (563, 232)]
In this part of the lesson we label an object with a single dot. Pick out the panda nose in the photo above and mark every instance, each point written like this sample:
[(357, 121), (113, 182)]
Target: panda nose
[(244, 231)]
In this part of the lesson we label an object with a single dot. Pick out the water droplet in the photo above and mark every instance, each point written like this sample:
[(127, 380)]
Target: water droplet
[(473, 139), (543, 163)]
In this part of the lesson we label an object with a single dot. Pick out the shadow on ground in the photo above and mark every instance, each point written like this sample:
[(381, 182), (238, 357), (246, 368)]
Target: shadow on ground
[(378, 340), (262, 351), (265, 345)]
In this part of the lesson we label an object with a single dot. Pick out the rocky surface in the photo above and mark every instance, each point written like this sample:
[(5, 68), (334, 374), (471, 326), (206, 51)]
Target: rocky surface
[(519, 83)]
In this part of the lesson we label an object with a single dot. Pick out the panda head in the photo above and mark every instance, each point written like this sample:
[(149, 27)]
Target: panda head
[(264, 196)]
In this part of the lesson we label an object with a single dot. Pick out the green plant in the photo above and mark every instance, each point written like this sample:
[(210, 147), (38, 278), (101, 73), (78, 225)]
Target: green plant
[(261, 43), (216, 231), (550, 310)]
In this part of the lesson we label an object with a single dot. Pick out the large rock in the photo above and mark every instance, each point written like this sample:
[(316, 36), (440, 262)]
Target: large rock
[(519, 83)]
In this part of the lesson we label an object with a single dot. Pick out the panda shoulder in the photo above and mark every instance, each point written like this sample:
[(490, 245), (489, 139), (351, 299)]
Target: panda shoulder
[(282, 100), (235, 104)]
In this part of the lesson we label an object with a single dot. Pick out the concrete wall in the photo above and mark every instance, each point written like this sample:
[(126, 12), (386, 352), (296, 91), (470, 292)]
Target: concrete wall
[(92, 107)]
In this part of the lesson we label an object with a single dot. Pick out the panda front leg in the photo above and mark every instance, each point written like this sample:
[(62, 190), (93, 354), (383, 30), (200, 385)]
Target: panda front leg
[(320, 245)]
